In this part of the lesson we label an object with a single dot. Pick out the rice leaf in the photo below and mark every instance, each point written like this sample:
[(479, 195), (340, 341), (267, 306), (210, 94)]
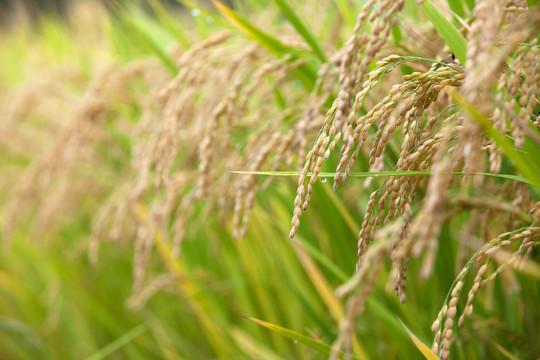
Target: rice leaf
[(316, 345), (188, 287), (308, 36), (322, 259), (165, 19), (448, 32), (386, 317), (340, 207), (527, 167), (319, 346), (253, 346), (148, 40), (367, 174), (346, 11), (457, 7), (268, 41), (325, 291), (507, 354), (118, 343), (425, 350), (470, 4), (271, 43)]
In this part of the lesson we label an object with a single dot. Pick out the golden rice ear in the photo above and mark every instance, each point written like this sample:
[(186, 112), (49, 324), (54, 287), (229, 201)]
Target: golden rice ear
[(355, 58), (436, 135)]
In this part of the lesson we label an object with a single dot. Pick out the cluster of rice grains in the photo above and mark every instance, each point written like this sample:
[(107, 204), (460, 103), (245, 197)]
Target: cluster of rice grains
[(185, 150), (527, 238), (69, 169), (218, 113), (435, 136)]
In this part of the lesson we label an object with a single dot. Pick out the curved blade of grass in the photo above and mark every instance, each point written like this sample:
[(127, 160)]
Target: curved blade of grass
[(304, 73), (470, 4), (386, 317), (342, 210), (316, 345), (387, 174), (334, 306), (426, 351), (527, 167), (188, 287), (322, 260), (147, 40), (295, 21), (268, 41), (448, 32), (118, 343), (507, 354), (457, 7), (346, 12), (252, 346), (324, 289), (165, 19)]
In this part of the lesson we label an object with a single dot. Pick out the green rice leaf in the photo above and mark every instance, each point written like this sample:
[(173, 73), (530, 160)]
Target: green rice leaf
[(341, 208), (322, 259), (118, 343), (448, 32), (346, 12), (268, 41), (316, 345), (470, 4), (386, 317), (295, 21), (367, 174), (304, 73), (142, 30), (527, 167), (507, 354), (319, 346), (457, 7), (165, 19)]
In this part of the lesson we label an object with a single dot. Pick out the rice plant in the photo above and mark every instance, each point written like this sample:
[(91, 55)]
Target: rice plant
[(155, 158)]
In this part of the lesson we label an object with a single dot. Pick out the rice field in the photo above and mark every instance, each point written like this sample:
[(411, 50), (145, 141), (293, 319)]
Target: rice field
[(271, 180)]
